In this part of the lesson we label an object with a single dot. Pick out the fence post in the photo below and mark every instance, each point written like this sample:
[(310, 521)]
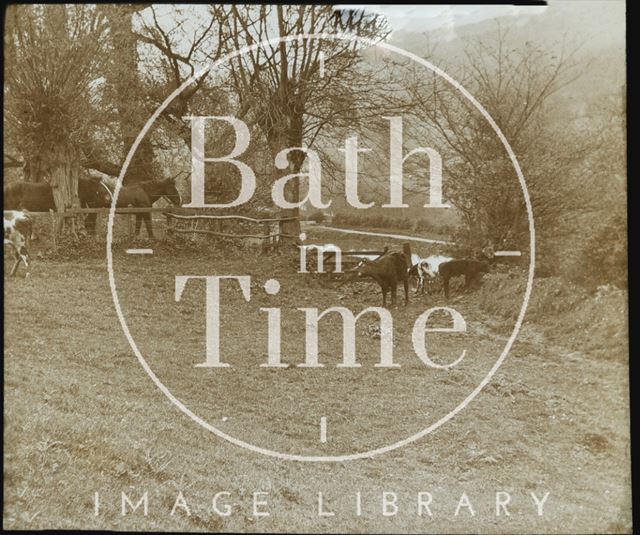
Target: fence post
[(169, 223), (54, 230), (266, 242)]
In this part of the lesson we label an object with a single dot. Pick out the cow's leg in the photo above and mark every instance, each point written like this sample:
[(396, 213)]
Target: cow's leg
[(445, 285), (384, 296), (394, 291), (138, 224), (26, 258), (147, 223), (16, 263), (90, 224), (405, 281), (469, 280)]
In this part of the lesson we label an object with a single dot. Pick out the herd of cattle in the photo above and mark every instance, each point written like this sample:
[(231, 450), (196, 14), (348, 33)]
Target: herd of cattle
[(391, 268), (387, 270), (94, 193)]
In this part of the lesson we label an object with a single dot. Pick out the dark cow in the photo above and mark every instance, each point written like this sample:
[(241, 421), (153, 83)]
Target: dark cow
[(387, 271), (93, 193), (470, 268), (38, 197), (32, 196), (18, 228), (144, 194)]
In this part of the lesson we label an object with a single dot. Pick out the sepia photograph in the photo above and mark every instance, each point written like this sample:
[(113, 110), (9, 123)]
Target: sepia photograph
[(316, 268)]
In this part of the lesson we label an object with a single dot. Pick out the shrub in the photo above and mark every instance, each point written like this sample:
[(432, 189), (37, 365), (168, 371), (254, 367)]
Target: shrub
[(604, 259)]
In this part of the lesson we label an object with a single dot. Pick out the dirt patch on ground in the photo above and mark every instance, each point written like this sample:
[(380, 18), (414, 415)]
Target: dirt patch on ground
[(568, 315)]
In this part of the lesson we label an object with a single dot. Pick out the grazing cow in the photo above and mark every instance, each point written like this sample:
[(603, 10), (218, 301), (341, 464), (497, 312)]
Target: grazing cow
[(93, 194), (426, 270), (144, 194), (471, 269), (387, 271), (364, 257), (18, 228)]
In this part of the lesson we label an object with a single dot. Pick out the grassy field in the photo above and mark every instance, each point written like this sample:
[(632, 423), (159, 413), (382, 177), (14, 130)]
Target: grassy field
[(82, 416)]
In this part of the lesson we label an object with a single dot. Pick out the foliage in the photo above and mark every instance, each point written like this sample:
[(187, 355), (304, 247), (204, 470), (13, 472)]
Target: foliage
[(604, 258), (81, 80), (514, 85), (52, 59)]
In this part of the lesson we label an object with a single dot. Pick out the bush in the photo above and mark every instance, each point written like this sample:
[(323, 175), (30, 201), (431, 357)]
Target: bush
[(604, 259)]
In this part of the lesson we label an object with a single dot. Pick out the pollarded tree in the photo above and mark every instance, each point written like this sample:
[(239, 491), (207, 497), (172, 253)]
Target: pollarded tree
[(52, 59)]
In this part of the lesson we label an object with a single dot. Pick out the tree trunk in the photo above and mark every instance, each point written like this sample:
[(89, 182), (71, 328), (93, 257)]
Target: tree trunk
[(292, 189), (33, 171), (123, 76), (64, 170)]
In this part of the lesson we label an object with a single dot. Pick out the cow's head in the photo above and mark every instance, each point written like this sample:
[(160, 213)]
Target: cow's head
[(103, 195), (365, 267), (169, 191)]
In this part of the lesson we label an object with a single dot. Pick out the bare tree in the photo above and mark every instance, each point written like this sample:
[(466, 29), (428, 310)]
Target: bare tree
[(515, 85), (177, 49), (293, 89)]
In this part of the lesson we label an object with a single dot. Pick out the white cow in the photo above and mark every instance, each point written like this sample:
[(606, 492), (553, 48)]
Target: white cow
[(18, 228), (426, 269)]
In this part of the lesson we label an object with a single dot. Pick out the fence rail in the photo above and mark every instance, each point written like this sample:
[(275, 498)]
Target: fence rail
[(80, 211), (181, 213), (228, 235), (221, 217), (272, 226)]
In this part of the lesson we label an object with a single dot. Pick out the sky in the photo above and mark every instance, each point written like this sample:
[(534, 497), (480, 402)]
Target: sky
[(413, 17), (581, 15)]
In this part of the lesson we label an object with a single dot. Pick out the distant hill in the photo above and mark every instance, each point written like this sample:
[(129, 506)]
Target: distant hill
[(596, 27), (596, 24)]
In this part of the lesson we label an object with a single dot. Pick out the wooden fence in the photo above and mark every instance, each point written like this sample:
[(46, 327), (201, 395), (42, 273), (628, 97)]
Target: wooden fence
[(272, 227), (269, 238)]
